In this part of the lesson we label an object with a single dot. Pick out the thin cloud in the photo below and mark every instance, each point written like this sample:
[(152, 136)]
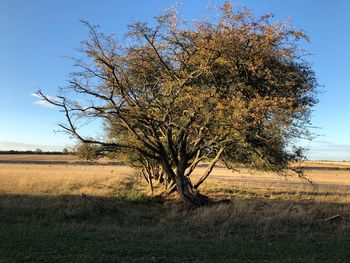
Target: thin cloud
[(19, 146), (327, 150), (331, 146), (35, 95), (44, 103)]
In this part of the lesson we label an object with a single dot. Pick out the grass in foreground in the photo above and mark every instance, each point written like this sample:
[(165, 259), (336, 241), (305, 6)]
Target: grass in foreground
[(52, 222), (72, 229)]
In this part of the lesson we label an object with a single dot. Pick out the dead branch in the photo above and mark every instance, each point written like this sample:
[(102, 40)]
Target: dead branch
[(335, 218), (98, 204)]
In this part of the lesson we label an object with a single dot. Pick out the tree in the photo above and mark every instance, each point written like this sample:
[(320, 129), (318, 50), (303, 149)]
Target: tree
[(65, 151), (233, 89), (38, 150), (88, 151)]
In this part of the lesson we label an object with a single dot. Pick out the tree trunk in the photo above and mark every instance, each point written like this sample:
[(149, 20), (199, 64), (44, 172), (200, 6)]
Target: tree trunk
[(185, 189), (190, 196)]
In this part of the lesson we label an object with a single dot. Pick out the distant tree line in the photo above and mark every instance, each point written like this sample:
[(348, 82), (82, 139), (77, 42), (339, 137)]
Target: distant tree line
[(37, 151)]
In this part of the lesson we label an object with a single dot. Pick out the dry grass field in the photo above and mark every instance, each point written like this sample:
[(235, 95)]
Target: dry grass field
[(44, 218)]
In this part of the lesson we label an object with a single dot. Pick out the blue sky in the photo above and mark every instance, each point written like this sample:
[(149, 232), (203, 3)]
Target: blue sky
[(37, 35)]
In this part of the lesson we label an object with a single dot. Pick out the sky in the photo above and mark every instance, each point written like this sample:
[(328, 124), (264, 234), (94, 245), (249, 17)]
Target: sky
[(38, 36)]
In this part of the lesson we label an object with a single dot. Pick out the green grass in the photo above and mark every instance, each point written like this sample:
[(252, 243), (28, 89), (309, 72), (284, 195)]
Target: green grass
[(73, 229)]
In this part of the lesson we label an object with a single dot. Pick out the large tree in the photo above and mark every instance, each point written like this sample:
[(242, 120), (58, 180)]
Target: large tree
[(233, 88)]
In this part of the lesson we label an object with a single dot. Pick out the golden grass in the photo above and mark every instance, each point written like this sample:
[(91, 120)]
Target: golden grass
[(35, 179), (262, 202), (100, 180), (73, 158), (37, 199), (39, 157), (49, 158), (326, 164)]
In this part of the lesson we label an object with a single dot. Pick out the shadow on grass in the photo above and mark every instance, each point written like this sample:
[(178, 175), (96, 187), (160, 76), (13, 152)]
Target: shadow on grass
[(272, 192), (71, 228), (133, 209)]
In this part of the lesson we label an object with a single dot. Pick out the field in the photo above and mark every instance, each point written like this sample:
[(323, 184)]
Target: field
[(45, 218)]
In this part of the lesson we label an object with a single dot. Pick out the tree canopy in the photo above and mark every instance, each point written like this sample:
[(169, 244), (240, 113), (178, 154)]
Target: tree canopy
[(234, 89)]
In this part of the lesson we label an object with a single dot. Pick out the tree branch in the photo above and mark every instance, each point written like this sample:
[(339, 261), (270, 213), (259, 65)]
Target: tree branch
[(209, 169)]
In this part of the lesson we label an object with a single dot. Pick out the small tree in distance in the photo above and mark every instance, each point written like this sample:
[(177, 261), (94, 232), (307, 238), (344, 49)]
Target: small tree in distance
[(88, 151), (65, 151), (233, 89)]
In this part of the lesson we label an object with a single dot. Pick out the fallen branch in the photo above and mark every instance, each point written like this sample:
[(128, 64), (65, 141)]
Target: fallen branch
[(262, 204), (335, 218), (99, 204)]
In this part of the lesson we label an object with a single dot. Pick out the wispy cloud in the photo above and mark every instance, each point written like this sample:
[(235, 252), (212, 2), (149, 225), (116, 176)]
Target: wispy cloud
[(35, 95), (327, 150), (331, 146), (18, 146), (42, 102)]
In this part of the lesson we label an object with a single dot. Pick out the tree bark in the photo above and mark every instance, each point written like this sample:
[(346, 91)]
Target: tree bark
[(190, 196)]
